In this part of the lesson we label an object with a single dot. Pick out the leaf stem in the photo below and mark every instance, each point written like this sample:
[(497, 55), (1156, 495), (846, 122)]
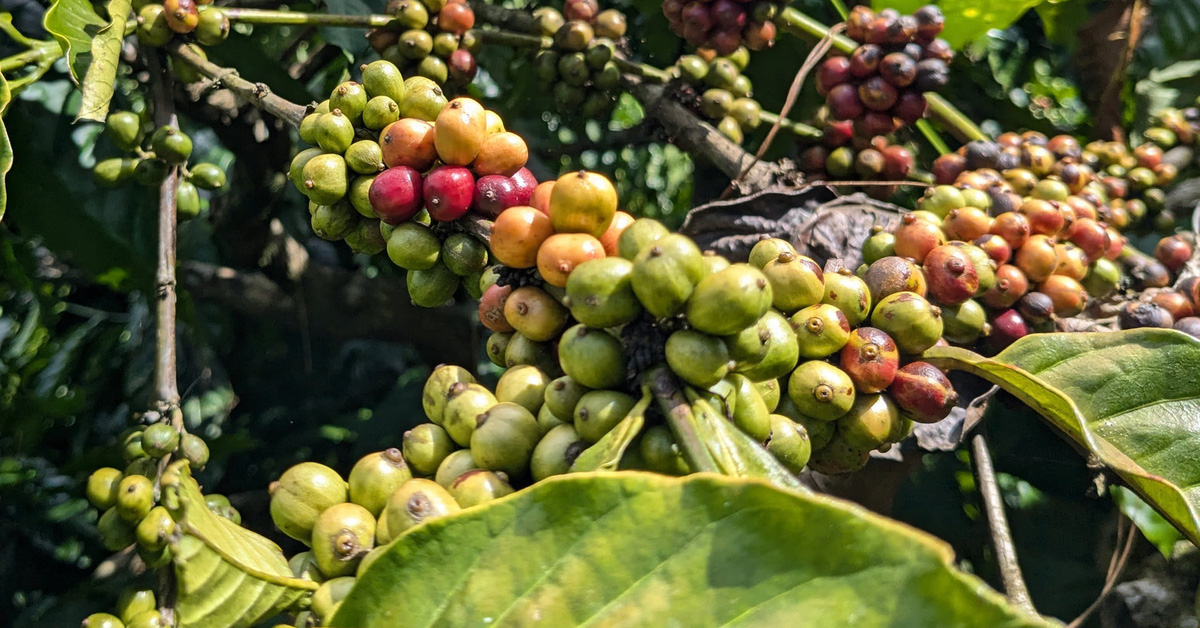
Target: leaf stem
[(41, 53), (669, 393), (300, 18), (793, 21), (1002, 541)]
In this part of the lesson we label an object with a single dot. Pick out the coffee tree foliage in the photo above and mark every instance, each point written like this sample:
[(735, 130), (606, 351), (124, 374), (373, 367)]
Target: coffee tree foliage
[(292, 348)]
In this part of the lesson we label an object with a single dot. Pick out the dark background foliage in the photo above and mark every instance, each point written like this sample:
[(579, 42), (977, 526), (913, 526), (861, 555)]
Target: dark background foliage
[(271, 387)]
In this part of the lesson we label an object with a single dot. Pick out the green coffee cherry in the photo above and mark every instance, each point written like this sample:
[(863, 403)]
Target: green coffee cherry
[(324, 178), (426, 446), (207, 176), (159, 440), (124, 128), (351, 99), (171, 144), (433, 287), (102, 488), (133, 601), (821, 390), (380, 112), (504, 438), (135, 497), (375, 477), (304, 566), (154, 529), (414, 246), (327, 598), (477, 487), (383, 78), (661, 453), (547, 420), (821, 330), (599, 411), (789, 443), (453, 466), (114, 172), (600, 293), (150, 172), (416, 502), (308, 129), (334, 222), (147, 619), (153, 29), (592, 357), (187, 200), (335, 131), (102, 620), (464, 254), (639, 235), (464, 403), (341, 536), (212, 28), (524, 385), (303, 492), (115, 532), (437, 388), (698, 358), (910, 320), (194, 450), (422, 99), (556, 452), (562, 395)]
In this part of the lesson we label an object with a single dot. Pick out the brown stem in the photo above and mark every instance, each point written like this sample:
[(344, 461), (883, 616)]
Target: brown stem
[(257, 94), (1002, 541), (166, 389), (690, 133)]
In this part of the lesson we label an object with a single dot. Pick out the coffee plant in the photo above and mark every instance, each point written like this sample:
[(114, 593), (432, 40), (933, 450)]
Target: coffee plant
[(668, 346)]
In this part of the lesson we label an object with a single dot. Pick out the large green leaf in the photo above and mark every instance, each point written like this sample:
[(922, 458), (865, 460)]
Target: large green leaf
[(1131, 398), (967, 20), (74, 23), (227, 576), (639, 549)]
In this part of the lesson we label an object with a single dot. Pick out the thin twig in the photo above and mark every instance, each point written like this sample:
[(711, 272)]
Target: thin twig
[(814, 57), (1116, 565), (1002, 541)]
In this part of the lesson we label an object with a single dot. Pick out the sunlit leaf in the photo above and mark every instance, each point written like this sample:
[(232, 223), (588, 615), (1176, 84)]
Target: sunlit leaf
[(638, 549), (1131, 398)]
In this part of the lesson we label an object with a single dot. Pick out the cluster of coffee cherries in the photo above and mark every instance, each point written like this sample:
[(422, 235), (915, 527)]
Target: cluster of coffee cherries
[(717, 90), (1125, 186), (159, 23), (1029, 249), (127, 498), (723, 25), (136, 608), (775, 344), (396, 164), (346, 522), (1169, 307), (148, 166), (881, 85), (580, 66), (878, 161), (430, 38)]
